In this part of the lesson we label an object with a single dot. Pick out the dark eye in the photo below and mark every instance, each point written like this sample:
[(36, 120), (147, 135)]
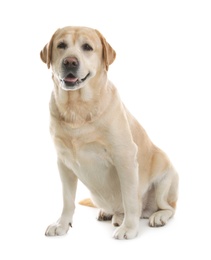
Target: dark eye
[(61, 45), (87, 47)]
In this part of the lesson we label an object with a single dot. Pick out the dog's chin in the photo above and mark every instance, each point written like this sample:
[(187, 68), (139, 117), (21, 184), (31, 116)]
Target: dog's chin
[(74, 83)]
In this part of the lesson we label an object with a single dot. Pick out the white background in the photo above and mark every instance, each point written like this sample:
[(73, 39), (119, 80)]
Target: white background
[(163, 73)]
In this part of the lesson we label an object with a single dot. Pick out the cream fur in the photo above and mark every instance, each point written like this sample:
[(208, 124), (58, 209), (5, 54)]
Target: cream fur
[(100, 143)]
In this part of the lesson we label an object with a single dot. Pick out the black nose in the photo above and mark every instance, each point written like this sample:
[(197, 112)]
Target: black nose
[(71, 63)]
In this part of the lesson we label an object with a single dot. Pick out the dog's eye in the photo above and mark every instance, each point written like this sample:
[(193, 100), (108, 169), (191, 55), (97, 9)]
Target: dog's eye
[(61, 45), (87, 47)]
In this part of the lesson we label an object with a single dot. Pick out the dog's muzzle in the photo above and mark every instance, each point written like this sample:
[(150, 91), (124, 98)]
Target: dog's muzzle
[(70, 66), (71, 81)]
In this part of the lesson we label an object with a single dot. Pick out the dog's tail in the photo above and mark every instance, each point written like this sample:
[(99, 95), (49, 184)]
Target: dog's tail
[(87, 202)]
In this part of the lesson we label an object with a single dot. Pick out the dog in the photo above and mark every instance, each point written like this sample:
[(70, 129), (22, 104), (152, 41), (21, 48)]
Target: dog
[(99, 142)]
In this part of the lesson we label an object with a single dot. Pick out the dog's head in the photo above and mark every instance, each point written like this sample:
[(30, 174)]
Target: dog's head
[(77, 54)]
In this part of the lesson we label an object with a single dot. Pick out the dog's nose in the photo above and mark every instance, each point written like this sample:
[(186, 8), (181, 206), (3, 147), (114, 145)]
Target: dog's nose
[(71, 63)]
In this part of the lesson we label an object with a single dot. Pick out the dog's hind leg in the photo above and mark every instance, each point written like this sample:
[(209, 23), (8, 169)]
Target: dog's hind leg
[(166, 198)]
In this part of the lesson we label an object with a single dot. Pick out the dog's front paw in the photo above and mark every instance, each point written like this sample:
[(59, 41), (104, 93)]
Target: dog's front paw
[(57, 229), (124, 232)]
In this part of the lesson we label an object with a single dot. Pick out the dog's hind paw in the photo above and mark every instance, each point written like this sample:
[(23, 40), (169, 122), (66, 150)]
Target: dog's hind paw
[(160, 218), (102, 216), (117, 219)]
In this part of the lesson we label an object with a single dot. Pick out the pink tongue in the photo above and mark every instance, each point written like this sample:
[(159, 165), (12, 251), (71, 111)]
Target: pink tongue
[(69, 79)]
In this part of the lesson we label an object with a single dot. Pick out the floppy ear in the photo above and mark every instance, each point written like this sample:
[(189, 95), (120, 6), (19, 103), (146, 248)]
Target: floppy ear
[(45, 55), (109, 53), (46, 52)]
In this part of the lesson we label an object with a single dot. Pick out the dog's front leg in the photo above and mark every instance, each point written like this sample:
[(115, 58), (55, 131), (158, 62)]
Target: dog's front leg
[(69, 185), (127, 168)]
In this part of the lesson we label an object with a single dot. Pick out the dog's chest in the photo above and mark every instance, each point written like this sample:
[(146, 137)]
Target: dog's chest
[(82, 150)]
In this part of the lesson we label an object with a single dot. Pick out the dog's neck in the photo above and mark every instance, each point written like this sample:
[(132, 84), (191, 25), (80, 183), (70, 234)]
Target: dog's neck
[(80, 106)]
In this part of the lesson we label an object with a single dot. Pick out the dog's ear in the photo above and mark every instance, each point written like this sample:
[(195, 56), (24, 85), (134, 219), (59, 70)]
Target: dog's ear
[(46, 53), (109, 53)]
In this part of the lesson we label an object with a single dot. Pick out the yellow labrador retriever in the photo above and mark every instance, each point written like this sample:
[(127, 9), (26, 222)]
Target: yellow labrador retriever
[(99, 142)]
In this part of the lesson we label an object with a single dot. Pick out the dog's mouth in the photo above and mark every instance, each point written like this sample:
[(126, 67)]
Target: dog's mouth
[(71, 81)]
